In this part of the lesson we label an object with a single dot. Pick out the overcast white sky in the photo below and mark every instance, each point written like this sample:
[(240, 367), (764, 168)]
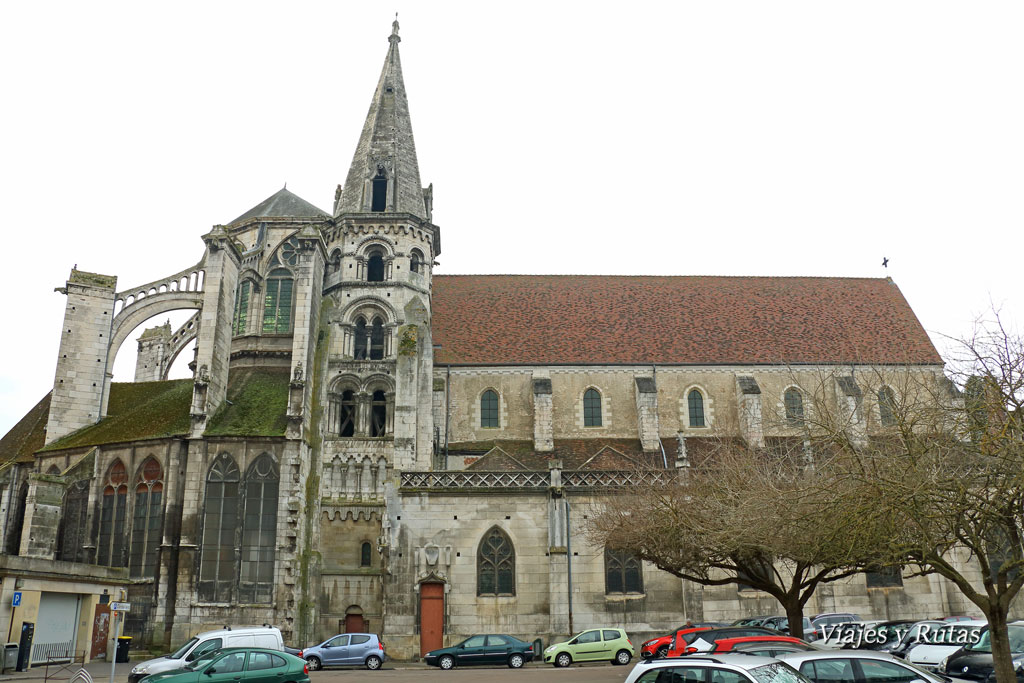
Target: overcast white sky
[(728, 138)]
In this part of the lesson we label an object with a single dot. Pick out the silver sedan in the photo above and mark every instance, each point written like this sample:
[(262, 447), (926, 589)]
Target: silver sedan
[(851, 666)]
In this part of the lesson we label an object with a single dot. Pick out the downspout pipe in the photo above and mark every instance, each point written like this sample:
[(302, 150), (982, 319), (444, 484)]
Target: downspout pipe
[(568, 560)]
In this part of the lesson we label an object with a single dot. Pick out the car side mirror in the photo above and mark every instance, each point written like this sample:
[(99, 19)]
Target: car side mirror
[(690, 650), (572, 642), (210, 671)]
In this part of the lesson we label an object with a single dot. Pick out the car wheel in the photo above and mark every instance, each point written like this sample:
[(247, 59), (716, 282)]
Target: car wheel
[(446, 662), (662, 652), (314, 663), (373, 662), (563, 659), (622, 657), (515, 661)]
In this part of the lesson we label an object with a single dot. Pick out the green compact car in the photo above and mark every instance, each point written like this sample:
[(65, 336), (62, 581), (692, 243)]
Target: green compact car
[(596, 645), (248, 664), (482, 649)]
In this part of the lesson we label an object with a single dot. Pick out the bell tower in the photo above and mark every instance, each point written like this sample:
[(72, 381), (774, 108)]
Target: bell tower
[(381, 252)]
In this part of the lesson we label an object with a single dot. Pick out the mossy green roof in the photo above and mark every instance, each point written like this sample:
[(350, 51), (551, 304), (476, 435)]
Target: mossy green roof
[(137, 410), (26, 437), (257, 404)]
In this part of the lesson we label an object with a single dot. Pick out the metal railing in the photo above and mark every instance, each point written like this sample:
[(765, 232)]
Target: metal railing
[(447, 480)]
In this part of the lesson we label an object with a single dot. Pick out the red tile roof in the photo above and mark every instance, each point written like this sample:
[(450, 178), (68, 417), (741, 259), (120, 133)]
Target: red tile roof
[(602, 319)]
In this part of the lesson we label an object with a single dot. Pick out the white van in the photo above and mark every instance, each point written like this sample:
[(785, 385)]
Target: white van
[(240, 636)]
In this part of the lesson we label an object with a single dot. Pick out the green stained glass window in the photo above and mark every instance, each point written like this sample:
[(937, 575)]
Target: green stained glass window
[(277, 302), (242, 306)]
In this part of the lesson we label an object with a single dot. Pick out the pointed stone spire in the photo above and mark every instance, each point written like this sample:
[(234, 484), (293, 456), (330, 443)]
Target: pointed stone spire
[(385, 175)]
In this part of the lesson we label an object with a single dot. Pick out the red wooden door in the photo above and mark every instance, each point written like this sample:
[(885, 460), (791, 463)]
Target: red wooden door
[(354, 623), (100, 631), (431, 616)]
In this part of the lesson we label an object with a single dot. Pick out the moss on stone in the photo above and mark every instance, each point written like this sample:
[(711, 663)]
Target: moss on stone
[(137, 410), (257, 404)]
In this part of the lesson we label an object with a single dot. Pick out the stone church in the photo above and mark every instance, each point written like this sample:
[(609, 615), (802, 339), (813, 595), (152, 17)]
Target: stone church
[(367, 445)]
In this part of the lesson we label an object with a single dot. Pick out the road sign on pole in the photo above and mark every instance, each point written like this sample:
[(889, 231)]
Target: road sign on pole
[(121, 606), (17, 599)]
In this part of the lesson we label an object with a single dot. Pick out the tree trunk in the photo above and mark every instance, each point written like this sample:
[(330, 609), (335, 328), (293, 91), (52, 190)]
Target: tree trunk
[(795, 614), (1000, 639)]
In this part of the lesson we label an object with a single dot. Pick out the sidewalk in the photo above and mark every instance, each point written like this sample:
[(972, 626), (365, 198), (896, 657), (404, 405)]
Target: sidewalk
[(99, 670)]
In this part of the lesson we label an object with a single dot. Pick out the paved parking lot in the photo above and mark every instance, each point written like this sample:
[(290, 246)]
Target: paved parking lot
[(533, 673)]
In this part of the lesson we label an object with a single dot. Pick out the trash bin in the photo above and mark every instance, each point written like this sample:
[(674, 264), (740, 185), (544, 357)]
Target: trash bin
[(123, 643), (10, 656)]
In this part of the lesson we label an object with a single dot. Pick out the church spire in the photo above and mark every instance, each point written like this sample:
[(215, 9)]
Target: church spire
[(385, 175)]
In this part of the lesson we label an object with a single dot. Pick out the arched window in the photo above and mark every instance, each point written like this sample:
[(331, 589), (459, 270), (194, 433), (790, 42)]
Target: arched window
[(220, 521), (887, 407), (496, 564), (72, 538), (334, 265), (277, 302), (415, 261), (489, 409), (592, 408), (148, 520), (259, 532), (377, 339), (622, 572), (375, 266), (347, 414), (18, 521), (365, 556), (380, 192), (113, 509), (378, 414), (794, 403), (695, 407), (242, 307), (361, 340)]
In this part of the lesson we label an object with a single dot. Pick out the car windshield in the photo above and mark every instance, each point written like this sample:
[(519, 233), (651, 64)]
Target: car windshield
[(777, 672), (886, 632), (180, 652), (984, 643), (202, 660)]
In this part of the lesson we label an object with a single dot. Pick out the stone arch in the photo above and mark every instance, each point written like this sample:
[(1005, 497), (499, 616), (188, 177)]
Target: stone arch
[(365, 244), (180, 340), (367, 306)]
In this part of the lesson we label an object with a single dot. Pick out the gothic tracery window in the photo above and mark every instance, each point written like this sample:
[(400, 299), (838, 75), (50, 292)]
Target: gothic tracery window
[(17, 521), (113, 510), (259, 532), (220, 520), (242, 307), (622, 572), (147, 522), (277, 302), (794, 404), (496, 564), (695, 408), (72, 538), (592, 408)]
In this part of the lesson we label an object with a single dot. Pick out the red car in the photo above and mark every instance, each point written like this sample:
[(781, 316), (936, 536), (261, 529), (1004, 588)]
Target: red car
[(659, 647), (683, 644), (765, 646)]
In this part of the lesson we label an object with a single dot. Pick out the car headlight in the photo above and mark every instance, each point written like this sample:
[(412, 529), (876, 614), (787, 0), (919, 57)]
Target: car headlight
[(140, 669), (944, 663)]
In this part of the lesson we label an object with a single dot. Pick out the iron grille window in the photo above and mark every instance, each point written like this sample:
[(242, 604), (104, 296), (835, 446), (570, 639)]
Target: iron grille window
[(378, 414), (364, 555), (113, 509), (794, 403), (277, 303), (242, 306), (886, 407), (259, 532), (375, 267), (72, 537), (884, 577), (220, 521), (695, 405), (622, 572), (147, 524), (496, 564), (361, 342), (347, 414), (592, 408), (377, 339), (489, 409)]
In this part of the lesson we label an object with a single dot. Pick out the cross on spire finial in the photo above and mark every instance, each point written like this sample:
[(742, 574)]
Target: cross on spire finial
[(394, 30)]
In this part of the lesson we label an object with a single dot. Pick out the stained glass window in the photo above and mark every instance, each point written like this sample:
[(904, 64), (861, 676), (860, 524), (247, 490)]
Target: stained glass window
[(72, 537), (220, 523), (259, 532), (147, 522), (622, 572), (695, 407), (489, 409), (496, 565), (242, 307), (592, 408), (277, 302), (113, 509)]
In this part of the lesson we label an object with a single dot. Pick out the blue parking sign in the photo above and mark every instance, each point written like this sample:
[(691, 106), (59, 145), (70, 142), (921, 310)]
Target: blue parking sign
[(17, 599)]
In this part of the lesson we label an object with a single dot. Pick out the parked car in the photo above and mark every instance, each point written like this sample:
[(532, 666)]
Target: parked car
[(822, 626), (727, 668), (346, 649), (660, 646), (702, 641), (760, 646), (243, 636), (594, 645), (255, 665), (935, 645), (857, 666), (974, 661), (751, 621), (885, 636), (781, 624), (486, 648)]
